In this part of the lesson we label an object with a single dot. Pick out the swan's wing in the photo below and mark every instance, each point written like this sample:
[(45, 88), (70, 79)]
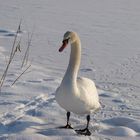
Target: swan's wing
[(86, 83), (88, 92)]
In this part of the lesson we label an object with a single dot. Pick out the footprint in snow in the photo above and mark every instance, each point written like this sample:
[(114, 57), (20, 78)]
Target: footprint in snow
[(86, 70), (3, 31), (7, 93), (41, 80), (5, 103), (34, 81), (34, 112), (117, 100), (48, 79), (104, 95), (8, 33)]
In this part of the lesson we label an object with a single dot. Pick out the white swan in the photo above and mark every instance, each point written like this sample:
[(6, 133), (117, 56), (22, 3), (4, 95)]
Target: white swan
[(77, 95)]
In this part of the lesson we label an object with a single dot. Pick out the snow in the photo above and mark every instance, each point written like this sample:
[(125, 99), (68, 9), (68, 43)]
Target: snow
[(109, 32)]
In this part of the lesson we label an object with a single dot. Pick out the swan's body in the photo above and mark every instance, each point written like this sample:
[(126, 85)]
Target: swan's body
[(79, 100), (77, 95)]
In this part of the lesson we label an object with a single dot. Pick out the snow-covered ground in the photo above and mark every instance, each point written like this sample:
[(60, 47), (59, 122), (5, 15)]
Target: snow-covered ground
[(109, 32)]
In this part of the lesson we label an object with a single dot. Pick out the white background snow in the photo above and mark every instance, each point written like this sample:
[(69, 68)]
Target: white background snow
[(110, 36)]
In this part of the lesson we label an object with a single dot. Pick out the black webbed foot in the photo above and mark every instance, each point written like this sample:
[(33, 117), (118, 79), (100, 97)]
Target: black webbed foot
[(68, 126), (85, 132)]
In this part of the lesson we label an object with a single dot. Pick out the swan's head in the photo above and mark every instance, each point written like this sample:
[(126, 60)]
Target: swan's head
[(69, 37)]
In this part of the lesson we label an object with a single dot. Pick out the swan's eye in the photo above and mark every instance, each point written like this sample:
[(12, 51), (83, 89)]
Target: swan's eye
[(66, 41)]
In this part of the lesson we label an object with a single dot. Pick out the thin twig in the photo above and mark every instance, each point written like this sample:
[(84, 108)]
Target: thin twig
[(12, 54), (21, 75), (26, 56), (18, 30), (6, 70)]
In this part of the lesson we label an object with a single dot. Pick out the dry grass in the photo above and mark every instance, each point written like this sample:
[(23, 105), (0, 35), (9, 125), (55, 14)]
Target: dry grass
[(21, 75), (26, 56), (16, 47)]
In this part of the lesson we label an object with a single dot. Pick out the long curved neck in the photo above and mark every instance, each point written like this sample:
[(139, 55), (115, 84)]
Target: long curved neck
[(74, 63)]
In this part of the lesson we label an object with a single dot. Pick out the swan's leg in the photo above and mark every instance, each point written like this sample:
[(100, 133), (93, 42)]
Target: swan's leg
[(85, 131), (68, 126)]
